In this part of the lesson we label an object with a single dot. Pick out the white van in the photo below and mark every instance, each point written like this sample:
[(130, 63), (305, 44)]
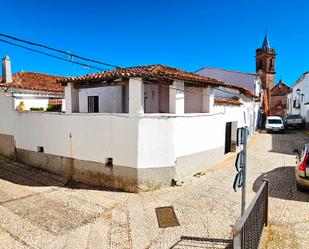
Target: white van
[(274, 123)]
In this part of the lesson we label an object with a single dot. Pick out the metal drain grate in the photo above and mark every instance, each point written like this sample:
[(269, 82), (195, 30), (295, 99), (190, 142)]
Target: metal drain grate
[(166, 217)]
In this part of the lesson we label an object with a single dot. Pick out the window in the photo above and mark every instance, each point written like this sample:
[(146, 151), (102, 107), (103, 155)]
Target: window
[(260, 65), (41, 149), (109, 162), (93, 104)]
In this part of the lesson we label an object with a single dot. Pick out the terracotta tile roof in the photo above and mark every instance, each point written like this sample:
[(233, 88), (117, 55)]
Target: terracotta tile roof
[(235, 102), (35, 81), (153, 71)]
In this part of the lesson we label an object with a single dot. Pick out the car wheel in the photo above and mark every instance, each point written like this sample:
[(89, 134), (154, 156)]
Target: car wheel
[(300, 188)]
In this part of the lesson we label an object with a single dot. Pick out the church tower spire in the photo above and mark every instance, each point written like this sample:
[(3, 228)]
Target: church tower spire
[(266, 43), (265, 64)]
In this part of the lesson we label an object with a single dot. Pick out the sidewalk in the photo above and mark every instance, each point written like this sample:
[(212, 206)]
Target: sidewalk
[(37, 210)]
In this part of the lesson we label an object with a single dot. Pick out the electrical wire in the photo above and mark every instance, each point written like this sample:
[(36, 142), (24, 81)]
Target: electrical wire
[(58, 50), (79, 57), (53, 56)]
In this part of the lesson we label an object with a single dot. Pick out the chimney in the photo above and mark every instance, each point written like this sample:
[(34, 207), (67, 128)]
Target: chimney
[(6, 70)]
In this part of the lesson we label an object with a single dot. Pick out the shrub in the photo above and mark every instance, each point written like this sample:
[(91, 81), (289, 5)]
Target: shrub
[(37, 109), (53, 108)]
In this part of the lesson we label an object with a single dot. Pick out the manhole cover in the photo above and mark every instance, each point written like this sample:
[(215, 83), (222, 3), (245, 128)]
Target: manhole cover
[(166, 217)]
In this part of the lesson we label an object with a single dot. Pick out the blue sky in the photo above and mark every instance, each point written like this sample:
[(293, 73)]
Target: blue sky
[(185, 34)]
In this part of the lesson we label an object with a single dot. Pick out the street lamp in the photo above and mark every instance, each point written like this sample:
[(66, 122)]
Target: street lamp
[(298, 91)]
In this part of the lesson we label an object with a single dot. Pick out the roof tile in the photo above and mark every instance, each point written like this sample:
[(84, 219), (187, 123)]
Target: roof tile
[(35, 81), (157, 71)]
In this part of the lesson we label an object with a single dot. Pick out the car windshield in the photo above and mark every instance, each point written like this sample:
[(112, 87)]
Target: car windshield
[(274, 121)]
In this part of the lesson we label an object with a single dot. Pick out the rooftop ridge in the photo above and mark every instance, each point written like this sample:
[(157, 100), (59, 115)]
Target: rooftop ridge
[(227, 70), (27, 72)]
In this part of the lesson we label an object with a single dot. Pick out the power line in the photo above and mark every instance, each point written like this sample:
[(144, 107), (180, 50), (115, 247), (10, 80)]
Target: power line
[(73, 55), (58, 50), (53, 56)]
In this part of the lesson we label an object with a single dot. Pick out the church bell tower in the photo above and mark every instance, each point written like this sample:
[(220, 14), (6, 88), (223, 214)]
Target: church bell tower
[(265, 64), (265, 68)]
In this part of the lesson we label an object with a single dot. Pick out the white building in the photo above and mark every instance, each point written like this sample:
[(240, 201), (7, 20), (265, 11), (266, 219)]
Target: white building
[(30, 90), (131, 128), (298, 99), (250, 81)]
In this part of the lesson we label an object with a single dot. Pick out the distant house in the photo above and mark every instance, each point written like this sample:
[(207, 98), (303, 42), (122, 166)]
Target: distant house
[(29, 89), (250, 81), (278, 99)]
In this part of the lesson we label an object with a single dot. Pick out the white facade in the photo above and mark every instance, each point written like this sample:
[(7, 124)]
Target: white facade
[(151, 140), (298, 101), (153, 147)]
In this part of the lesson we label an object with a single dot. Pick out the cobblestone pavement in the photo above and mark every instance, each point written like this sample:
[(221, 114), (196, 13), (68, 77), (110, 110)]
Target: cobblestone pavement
[(41, 210)]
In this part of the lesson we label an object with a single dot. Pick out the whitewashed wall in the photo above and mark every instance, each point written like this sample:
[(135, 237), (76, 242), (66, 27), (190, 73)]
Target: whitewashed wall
[(92, 137), (303, 86), (110, 99), (193, 99), (152, 98), (151, 140)]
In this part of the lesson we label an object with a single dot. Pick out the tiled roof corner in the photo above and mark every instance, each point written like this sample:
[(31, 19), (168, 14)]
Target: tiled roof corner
[(35, 81)]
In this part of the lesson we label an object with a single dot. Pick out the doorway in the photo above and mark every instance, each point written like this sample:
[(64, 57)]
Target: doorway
[(93, 104), (228, 137)]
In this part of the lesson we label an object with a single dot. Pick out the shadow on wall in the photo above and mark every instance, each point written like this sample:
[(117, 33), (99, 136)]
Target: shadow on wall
[(199, 242), (281, 143), (22, 174), (282, 184)]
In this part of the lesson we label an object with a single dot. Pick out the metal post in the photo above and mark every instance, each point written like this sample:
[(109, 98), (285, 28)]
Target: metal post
[(244, 180), (266, 191)]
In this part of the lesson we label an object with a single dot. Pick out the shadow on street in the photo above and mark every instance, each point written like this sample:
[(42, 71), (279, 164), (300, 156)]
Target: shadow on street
[(200, 242), (282, 184), (282, 143), (26, 175)]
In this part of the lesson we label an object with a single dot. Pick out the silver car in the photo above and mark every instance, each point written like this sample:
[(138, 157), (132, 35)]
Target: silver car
[(302, 168)]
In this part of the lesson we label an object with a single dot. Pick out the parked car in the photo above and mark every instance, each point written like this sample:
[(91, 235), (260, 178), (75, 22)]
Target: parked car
[(274, 123), (302, 168), (294, 121)]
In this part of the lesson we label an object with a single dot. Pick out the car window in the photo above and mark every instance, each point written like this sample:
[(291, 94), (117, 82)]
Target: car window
[(274, 121), (303, 153)]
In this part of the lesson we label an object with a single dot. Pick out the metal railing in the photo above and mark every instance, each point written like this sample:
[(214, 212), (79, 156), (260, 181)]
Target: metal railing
[(248, 230)]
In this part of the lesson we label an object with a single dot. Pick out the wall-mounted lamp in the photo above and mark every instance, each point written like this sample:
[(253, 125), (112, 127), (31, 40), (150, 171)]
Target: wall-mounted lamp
[(300, 94), (298, 91)]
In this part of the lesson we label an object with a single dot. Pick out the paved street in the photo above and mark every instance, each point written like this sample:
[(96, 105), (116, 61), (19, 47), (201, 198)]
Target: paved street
[(41, 210)]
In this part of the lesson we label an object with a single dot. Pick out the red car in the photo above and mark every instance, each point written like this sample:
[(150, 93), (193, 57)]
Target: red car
[(302, 168)]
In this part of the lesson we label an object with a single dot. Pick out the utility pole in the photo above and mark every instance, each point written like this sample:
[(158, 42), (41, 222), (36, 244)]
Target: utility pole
[(244, 174)]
